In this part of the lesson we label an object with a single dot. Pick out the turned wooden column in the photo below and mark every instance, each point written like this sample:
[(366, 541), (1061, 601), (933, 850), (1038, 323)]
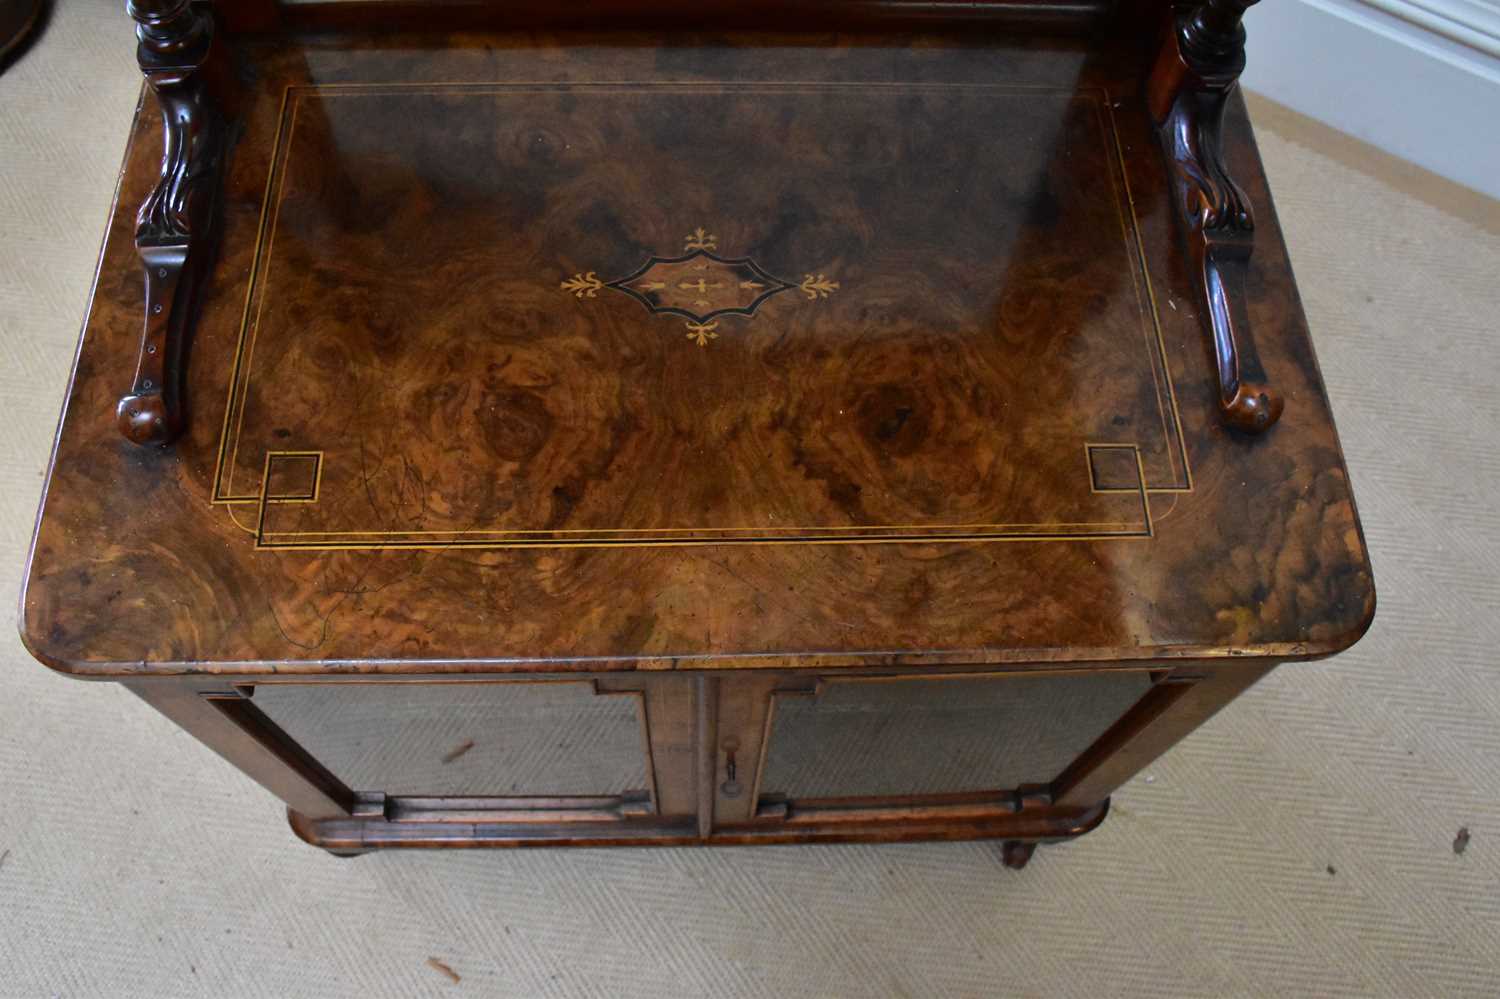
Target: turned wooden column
[(175, 227)]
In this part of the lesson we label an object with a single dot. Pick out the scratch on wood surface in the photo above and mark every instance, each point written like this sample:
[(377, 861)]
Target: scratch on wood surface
[(458, 751), (437, 965)]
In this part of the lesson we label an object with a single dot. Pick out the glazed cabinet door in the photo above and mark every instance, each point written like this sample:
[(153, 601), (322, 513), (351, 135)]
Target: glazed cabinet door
[(554, 749), (734, 757), (859, 748)]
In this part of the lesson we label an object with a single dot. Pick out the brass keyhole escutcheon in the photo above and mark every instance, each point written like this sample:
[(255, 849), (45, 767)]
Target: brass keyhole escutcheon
[(731, 788)]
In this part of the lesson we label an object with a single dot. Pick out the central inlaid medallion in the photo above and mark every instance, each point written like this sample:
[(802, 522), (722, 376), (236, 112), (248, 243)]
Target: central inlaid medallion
[(700, 286)]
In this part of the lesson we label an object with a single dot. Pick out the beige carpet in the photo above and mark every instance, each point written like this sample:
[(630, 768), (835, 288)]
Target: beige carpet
[(1302, 843)]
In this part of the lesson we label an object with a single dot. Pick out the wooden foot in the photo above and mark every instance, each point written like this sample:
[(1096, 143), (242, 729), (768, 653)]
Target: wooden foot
[(1197, 69), (1016, 854)]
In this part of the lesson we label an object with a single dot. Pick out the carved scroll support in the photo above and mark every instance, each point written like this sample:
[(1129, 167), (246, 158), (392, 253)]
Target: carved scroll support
[(1196, 71), (175, 227)]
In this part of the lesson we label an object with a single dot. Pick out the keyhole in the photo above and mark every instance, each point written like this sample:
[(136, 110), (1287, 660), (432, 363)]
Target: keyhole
[(731, 788)]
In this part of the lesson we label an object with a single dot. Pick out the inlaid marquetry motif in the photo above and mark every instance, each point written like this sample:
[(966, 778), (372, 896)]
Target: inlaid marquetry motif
[(700, 286)]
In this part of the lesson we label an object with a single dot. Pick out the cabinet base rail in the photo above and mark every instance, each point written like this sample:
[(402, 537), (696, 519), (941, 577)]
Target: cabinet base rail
[(432, 825)]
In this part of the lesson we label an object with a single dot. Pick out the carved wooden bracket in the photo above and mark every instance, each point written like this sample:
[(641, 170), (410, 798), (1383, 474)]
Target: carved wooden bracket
[(1197, 69), (175, 228)]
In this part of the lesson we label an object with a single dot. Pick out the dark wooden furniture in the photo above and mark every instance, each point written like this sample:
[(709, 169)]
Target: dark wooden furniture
[(19, 22), (730, 423)]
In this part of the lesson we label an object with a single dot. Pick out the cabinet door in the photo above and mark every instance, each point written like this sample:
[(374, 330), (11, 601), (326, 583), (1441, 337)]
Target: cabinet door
[(511, 741), (894, 738)]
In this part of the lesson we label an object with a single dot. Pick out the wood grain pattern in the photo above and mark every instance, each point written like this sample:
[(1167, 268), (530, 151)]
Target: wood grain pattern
[(529, 433), (989, 326), (565, 404)]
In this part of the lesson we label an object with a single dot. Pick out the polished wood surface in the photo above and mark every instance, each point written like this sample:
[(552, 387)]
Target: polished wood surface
[(995, 440), (668, 438)]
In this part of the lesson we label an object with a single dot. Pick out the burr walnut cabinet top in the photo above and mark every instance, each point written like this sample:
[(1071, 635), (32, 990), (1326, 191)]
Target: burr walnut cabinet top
[(574, 352)]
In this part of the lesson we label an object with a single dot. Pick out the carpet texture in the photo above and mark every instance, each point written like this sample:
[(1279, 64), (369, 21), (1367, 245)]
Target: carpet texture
[(1302, 843)]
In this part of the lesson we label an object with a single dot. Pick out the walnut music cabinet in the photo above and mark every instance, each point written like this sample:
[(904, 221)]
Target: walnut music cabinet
[(693, 421)]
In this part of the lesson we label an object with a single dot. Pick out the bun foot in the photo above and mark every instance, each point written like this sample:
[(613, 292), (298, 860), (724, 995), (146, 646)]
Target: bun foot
[(1016, 854), (347, 854)]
